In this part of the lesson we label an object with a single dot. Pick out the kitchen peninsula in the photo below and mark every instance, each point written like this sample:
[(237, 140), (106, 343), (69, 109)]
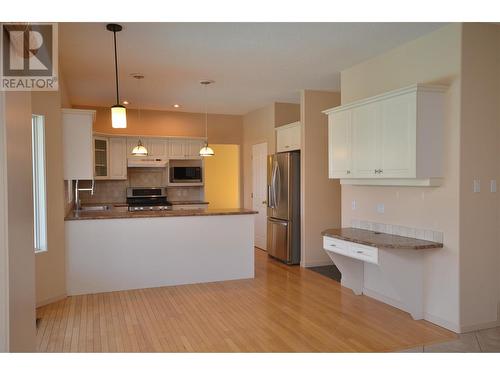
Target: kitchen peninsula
[(118, 250)]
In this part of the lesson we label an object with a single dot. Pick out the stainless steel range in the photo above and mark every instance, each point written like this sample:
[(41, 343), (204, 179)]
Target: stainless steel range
[(148, 199)]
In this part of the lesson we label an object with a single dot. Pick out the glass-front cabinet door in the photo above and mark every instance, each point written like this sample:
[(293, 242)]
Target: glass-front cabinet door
[(100, 157)]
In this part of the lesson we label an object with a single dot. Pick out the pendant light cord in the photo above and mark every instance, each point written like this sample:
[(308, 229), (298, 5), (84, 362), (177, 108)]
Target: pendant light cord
[(116, 70), (206, 115)]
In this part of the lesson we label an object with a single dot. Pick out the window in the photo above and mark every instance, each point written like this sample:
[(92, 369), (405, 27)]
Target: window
[(39, 191)]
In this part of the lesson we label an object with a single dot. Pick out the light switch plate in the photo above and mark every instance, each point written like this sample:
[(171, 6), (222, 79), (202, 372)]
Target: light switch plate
[(380, 208), (493, 186), (353, 204), (476, 186)]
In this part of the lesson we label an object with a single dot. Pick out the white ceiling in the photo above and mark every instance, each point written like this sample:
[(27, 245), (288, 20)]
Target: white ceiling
[(253, 64)]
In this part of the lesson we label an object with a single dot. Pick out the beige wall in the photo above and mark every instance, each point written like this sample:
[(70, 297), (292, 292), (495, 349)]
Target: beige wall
[(434, 58), (4, 245), (222, 129), (320, 196), (50, 265), (286, 113), (480, 130), (20, 222), (258, 127), (222, 177)]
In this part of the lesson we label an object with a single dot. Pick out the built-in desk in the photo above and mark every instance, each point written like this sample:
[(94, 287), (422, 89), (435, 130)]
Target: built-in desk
[(400, 261)]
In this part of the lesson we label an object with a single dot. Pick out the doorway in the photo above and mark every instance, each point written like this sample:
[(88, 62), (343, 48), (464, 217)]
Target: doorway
[(259, 193)]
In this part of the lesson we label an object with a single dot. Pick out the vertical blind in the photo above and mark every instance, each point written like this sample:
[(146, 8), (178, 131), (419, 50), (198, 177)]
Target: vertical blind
[(39, 185)]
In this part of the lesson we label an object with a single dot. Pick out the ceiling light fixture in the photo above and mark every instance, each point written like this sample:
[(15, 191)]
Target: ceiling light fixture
[(206, 150), (139, 150), (176, 105), (118, 112), (125, 102)]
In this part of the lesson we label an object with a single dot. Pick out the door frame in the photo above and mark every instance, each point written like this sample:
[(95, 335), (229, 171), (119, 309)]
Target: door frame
[(4, 254), (253, 174)]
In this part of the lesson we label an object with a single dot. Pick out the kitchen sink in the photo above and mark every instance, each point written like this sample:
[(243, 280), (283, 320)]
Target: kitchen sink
[(101, 207)]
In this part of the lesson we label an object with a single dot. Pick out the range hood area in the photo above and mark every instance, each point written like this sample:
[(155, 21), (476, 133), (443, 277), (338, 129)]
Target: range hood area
[(146, 162)]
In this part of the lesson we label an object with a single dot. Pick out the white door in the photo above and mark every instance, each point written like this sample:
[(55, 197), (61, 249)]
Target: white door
[(259, 195)]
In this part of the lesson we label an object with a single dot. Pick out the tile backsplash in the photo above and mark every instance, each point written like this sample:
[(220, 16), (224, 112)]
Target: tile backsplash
[(399, 230), (115, 191)]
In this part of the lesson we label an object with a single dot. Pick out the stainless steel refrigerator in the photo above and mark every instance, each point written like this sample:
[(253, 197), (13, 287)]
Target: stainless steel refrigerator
[(283, 206)]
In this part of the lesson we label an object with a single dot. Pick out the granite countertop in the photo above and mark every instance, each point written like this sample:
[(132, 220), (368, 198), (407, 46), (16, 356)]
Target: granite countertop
[(377, 239), (122, 213), (188, 202)]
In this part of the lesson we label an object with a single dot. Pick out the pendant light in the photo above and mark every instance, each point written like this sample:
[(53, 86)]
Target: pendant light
[(206, 150), (118, 112), (139, 150)]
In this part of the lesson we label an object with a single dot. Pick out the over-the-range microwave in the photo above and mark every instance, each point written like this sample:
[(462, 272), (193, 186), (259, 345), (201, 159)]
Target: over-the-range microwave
[(185, 174)]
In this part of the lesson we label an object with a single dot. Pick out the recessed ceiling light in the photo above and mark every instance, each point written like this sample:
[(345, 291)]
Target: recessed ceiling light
[(176, 105), (126, 102)]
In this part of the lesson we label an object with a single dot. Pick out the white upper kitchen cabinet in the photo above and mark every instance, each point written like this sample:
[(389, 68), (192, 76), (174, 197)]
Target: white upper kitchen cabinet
[(193, 147), (117, 169), (157, 147), (78, 144), (365, 123), (394, 138), (339, 141), (288, 137), (177, 148)]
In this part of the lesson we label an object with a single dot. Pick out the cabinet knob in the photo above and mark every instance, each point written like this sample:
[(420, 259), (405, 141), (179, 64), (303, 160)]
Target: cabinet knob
[(348, 172)]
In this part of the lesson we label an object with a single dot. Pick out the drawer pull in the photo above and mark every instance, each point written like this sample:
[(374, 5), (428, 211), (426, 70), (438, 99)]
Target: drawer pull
[(359, 251), (333, 245)]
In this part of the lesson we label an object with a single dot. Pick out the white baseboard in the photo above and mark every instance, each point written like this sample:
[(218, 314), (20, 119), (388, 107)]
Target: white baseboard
[(442, 322), (318, 263), (477, 327), (50, 300), (383, 298)]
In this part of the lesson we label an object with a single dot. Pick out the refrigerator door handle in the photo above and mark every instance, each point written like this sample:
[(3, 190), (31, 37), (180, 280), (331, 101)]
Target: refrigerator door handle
[(273, 183), (270, 202), (276, 185)]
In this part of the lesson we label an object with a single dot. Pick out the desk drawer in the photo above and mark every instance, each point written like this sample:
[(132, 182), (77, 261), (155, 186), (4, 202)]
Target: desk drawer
[(336, 246), (351, 249), (365, 253)]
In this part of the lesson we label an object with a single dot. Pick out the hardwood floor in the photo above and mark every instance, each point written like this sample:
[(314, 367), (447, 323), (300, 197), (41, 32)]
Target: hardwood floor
[(284, 309)]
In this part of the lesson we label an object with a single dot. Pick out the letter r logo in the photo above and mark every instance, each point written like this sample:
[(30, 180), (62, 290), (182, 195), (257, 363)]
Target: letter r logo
[(27, 50)]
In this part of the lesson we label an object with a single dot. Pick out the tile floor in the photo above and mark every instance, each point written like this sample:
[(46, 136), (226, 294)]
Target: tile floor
[(484, 341)]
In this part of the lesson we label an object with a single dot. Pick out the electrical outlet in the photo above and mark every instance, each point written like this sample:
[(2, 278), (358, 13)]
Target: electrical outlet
[(476, 186), (380, 208), (353, 204)]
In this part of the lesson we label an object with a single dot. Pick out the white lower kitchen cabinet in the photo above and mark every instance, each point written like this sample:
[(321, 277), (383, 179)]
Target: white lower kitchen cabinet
[(394, 138)]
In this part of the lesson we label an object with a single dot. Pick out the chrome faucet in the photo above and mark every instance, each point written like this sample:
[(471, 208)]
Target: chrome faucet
[(77, 193)]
